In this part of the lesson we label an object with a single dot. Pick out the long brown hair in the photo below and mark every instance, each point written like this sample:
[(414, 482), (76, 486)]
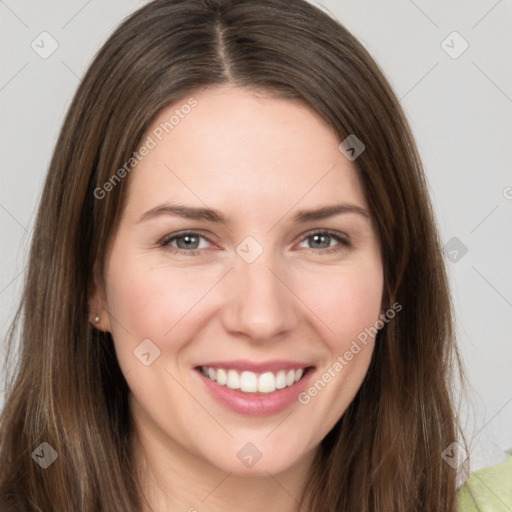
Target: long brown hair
[(66, 388)]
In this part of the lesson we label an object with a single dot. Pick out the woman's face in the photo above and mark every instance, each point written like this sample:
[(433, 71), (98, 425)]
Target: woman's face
[(247, 284)]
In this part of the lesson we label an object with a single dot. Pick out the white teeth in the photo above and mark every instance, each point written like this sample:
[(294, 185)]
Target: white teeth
[(222, 377), (250, 382), (281, 379), (266, 383), (233, 380)]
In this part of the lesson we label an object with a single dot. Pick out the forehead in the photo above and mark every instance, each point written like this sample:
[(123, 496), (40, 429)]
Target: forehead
[(237, 145)]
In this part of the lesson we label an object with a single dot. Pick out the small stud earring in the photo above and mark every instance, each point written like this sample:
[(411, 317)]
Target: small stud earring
[(96, 319)]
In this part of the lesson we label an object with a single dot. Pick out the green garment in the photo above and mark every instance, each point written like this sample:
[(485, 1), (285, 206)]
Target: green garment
[(488, 489)]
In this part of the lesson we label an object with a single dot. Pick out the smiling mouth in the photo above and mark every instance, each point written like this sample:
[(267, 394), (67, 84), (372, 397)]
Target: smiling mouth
[(251, 382)]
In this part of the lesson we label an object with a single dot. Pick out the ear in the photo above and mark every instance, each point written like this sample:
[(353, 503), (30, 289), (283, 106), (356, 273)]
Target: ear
[(99, 316)]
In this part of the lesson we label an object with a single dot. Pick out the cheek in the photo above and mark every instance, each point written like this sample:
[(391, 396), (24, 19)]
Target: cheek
[(149, 301), (349, 306), (346, 301)]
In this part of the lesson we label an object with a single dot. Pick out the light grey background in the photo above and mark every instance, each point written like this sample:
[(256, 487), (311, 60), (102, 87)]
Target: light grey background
[(459, 107)]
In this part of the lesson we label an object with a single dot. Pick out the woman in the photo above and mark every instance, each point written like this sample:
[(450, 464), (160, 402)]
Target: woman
[(185, 343)]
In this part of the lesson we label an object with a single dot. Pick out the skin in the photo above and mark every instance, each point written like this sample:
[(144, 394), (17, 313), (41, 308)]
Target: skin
[(257, 160)]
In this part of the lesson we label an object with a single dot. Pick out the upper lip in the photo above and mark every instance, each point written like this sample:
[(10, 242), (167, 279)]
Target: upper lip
[(257, 367)]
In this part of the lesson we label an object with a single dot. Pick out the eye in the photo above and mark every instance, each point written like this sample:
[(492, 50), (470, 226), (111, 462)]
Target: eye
[(189, 242), (321, 242), (186, 243)]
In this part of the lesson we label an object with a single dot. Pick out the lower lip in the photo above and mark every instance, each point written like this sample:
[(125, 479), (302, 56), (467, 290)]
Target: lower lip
[(256, 404)]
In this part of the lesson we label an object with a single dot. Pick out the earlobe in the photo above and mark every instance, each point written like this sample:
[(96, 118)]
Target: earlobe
[(98, 306), (94, 319), (100, 322)]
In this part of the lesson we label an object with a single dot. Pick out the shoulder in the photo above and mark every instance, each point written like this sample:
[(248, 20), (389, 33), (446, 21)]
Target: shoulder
[(488, 489)]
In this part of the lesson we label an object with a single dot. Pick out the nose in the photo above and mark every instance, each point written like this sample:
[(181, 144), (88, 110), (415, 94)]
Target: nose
[(261, 305)]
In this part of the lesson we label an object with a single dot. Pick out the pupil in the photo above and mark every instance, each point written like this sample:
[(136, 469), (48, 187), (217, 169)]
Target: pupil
[(189, 241), (317, 238)]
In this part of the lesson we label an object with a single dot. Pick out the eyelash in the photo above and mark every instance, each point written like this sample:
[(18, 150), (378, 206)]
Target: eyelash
[(343, 242)]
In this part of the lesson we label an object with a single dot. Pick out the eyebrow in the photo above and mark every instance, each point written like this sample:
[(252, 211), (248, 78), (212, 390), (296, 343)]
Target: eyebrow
[(210, 215)]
